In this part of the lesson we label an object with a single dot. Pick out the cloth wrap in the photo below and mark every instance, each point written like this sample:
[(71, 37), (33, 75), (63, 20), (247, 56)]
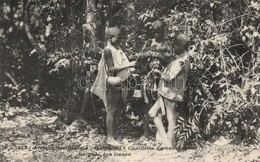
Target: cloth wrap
[(100, 86), (173, 81)]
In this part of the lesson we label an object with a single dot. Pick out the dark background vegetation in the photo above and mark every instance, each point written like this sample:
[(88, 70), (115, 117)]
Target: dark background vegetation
[(47, 45)]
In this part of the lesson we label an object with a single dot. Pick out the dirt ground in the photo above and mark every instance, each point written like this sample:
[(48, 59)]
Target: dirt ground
[(29, 136)]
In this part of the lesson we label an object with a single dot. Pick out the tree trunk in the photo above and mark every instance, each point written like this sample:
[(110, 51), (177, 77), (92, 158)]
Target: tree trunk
[(26, 10), (89, 28)]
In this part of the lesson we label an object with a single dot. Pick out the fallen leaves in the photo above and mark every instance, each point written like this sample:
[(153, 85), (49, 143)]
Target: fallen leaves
[(34, 137)]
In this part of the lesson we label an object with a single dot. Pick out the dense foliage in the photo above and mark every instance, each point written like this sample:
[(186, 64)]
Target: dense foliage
[(41, 64)]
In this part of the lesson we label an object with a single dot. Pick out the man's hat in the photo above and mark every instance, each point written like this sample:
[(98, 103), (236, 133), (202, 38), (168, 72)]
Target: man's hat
[(112, 31)]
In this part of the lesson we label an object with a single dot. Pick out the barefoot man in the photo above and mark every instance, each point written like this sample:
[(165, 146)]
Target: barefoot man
[(171, 89), (110, 84)]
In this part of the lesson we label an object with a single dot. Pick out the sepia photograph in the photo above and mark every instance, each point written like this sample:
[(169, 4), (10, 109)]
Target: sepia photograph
[(129, 80)]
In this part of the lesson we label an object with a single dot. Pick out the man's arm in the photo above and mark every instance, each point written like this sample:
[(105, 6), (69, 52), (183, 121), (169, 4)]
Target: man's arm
[(110, 63)]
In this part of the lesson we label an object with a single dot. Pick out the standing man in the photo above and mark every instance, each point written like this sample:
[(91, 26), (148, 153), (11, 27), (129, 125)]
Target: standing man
[(171, 89), (110, 85)]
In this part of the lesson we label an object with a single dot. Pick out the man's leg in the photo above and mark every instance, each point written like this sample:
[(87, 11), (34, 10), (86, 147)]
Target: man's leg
[(146, 118), (119, 108), (157, 135), (171, 117), (114, 98), (159, 124)]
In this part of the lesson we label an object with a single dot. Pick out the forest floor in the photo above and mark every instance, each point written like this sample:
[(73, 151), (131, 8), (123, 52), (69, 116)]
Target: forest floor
[(38, 135)]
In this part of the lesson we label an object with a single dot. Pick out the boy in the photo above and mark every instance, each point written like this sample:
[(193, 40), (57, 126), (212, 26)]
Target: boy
[(110, 84), (171, 89)]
